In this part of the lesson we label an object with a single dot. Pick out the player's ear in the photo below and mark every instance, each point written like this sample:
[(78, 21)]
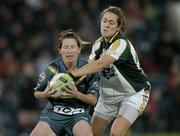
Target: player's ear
[(79, 50), (118, 28), (59, 50)]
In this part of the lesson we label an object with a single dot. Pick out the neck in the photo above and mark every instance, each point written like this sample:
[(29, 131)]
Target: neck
[(107, 39), (70, 65)]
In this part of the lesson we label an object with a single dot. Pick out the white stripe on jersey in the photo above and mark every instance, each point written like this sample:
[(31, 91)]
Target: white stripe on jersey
[(134, 55), (119, 50), (95, 47)]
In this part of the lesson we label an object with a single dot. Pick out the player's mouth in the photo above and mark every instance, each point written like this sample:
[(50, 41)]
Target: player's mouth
[(70, 56), (104, 30)]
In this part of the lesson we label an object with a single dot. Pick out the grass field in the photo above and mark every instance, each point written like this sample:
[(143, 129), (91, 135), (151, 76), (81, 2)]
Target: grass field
[(152, 134), (157, 134)]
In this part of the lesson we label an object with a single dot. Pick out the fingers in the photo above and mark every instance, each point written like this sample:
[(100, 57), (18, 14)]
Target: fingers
[(62, 95), (68, 90), (48, 86), (66, 95), (71, 86), (51, 91)]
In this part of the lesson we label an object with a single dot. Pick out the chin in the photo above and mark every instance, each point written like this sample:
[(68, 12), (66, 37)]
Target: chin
[(71, 61), (106, 36)]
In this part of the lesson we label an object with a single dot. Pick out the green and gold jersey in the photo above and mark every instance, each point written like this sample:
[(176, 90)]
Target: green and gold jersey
[(125, 74)]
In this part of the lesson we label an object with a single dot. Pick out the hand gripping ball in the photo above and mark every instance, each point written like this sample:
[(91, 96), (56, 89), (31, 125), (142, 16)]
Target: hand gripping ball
[(60, 81)]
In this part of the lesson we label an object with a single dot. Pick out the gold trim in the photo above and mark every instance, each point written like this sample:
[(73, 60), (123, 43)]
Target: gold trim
[(98, 40), (54, 71), (80, 79), (115, 45), (113, 37)]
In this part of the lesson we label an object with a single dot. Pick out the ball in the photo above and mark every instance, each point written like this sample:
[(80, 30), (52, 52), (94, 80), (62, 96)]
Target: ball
[(59, 82)]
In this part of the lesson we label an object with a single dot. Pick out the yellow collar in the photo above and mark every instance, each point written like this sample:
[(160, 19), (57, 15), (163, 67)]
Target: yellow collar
[(111, 39)]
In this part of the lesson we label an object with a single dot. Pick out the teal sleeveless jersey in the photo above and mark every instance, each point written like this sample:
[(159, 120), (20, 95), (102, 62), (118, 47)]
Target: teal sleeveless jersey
[(85, 84)]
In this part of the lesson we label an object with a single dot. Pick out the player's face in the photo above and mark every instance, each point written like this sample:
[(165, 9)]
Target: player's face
[(109, 24), (69, 50)]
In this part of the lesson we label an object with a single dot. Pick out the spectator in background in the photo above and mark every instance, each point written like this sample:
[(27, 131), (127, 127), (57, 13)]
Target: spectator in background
[(173, 87), (26, 103), (77, 99), (125, 89)]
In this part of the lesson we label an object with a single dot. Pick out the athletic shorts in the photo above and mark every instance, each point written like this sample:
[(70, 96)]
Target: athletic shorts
[(130, 107), (61, 123)]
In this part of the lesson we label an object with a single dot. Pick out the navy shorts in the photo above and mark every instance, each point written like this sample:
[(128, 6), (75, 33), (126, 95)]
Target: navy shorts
[(61, 123)]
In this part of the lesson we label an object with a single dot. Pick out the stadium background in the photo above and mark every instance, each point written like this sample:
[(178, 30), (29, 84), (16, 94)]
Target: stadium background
[(28, 32)]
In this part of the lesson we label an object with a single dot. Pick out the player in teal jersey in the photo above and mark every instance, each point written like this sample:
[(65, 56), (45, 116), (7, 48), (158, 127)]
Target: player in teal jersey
[(67, 113), (125, 88)]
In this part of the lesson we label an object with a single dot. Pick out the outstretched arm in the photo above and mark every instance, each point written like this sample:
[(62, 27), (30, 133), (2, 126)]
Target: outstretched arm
[(94, 66)]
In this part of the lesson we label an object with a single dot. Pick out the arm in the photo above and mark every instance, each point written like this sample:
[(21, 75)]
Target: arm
[(94, 66), (111, 55), (44, 94), (86, 98)]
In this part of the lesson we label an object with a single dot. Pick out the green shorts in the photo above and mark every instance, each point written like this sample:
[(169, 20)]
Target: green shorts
[(60, 123)]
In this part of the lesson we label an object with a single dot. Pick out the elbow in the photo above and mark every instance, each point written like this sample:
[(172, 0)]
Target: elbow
[(94, 102), (35, 95)]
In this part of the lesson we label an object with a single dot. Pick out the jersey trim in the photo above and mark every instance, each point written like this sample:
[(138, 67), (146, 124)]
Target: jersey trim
[(98, 40), (112, 39), (53, 70), (80, 79), (115, 45)]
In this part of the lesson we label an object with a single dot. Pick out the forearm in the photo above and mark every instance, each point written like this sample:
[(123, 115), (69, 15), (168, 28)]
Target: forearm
[(87, 98), (40, 95), (92, 67)]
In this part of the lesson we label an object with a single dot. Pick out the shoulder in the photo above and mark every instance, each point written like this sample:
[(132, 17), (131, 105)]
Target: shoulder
[(119, 43), (53, 65), (99, 40), (82, 62), (97, 43)]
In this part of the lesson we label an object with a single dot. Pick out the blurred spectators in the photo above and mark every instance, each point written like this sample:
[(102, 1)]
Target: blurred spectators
[(27, 105), (28, 30)]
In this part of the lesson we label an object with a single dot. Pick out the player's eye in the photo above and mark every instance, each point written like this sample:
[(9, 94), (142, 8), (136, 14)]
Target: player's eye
[(73, 46), (104, 20), (112, 22), (65, 47)]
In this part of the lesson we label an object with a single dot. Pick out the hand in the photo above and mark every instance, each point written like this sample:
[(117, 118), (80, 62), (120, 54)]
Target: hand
[(105, 73), (63, 94), (48, 91), (108, 73), (73, 91)]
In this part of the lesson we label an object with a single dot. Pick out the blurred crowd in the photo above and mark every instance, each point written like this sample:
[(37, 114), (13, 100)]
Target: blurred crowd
[(28, 35)]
